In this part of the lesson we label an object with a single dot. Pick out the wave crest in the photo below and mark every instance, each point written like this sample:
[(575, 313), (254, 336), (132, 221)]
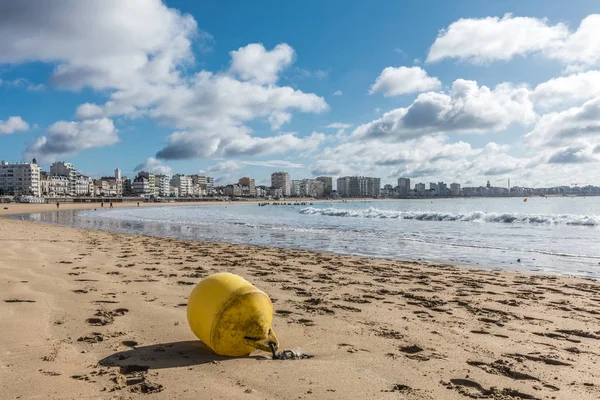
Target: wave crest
[(475, 216)]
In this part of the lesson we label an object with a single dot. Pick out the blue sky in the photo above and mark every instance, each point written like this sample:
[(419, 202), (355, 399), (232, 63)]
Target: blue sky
[(300, 92)]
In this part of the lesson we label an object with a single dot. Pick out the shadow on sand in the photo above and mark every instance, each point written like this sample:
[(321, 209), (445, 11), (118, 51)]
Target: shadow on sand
[(167, 355)]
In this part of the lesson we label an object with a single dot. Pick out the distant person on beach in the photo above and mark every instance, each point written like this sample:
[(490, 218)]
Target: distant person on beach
[(102, 204), (111, 205), (57, 205), (138, 203)]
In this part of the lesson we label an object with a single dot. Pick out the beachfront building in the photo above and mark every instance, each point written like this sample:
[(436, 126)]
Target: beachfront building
[(163, 184), (455, 189), (108, 186), (359, 186), (127, 187), (389, 191), (233, 190), (404, 187), (420, 188), (54, 186), (141, 187), (183, 183), (84, 185), (282, 181), (327, 184), (61, 168), (248, 186), (151, 178), (19, 179), (295, 188), (275, 193)]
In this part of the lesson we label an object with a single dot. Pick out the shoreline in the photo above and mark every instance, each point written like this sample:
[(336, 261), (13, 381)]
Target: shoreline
[(24, 209), (380, 328)]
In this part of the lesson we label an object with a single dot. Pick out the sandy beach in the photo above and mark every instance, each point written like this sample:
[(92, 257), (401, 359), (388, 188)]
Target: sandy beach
[(95, 315)]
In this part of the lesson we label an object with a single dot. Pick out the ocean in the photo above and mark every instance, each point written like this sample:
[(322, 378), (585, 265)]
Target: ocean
[(558, 235)]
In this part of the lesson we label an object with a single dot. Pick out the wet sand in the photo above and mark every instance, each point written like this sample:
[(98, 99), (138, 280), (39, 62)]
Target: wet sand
[(96, 315)]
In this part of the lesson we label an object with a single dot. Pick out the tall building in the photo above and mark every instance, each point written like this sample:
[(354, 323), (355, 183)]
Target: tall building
[(163, 183), (248, 186), (343, 186), (183, 183), (420, 188), (433, 189), (327, 184), (151, 189), (117, 174), (455, 189), (442, 189), (295, 188), (403, 187), (281, 180), (20, 179), (359, 186), (61, 168)]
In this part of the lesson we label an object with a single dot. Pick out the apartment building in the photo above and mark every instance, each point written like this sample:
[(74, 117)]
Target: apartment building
[(183, 183), (359, 186), (248, 186), (403, 187), (281, 180), (17, 179), (327, 184), (67, 170)]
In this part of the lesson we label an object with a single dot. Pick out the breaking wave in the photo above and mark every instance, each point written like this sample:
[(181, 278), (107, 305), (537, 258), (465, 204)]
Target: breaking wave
[(475, 216)]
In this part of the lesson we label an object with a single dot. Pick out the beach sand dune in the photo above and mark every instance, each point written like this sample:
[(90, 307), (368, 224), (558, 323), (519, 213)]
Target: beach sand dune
[(96, 315)]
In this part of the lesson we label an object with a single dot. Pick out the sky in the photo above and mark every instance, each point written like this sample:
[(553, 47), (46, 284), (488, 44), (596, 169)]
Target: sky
[(465, 91)]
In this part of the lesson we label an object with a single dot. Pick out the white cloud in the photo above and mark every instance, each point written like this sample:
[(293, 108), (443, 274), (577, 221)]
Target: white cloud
[(568, 90), (68, 138), (574, 155), (24, 83), (222, 167), (13, 124), (338, 93), (403, 80), (278, 118), (131, 41), (89, 110), (577, 126), (139, 54), (282, 164), (492, 38), (256, 64), (155, 166), (338, 125), (468, 108)]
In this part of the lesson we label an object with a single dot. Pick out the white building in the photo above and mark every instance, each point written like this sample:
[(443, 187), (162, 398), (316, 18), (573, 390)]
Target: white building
[(183, 183), (19, 179), (84, 186), (118, 174), (163, 183), (281, 180), (152, 189), (420, 188), (61, 168), (455, 189), (141, 186), (403, 187)]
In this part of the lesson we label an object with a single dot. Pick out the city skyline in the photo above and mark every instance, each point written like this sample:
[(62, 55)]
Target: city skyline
[(473, 92)]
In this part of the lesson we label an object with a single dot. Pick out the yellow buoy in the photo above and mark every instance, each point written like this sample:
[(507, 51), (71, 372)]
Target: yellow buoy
[(231, 316)]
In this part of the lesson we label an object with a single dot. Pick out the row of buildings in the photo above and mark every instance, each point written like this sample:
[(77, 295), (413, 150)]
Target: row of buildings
[(63, 180)]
